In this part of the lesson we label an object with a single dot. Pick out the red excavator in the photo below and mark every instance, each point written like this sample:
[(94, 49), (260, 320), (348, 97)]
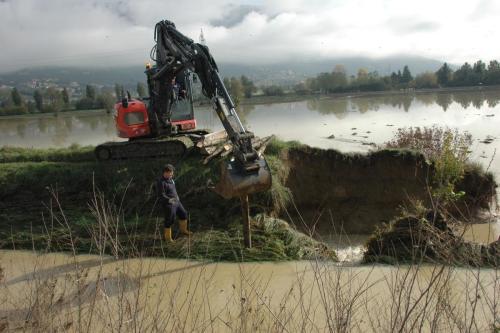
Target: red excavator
[(163, 125)]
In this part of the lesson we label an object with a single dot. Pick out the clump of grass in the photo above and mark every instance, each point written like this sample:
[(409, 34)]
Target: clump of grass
[(433, 141), (426, 236), (272, 240), (277, 146)]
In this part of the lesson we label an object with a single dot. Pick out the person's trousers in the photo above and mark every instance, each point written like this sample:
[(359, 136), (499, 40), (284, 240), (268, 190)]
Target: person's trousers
[(173, 210)]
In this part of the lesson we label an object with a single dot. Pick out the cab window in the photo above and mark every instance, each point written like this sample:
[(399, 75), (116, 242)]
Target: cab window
[(134, 118)]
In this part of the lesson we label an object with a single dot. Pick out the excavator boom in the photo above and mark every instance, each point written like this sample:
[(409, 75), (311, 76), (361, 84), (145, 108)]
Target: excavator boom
[(247, 172)]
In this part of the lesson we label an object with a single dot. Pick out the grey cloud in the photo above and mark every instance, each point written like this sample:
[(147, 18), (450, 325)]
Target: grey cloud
[(119, 8), (235, 15), (119, 32), (483, 8), (409, 25)]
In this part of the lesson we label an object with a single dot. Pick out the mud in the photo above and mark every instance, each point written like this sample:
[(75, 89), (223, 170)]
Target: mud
[(336, 192)]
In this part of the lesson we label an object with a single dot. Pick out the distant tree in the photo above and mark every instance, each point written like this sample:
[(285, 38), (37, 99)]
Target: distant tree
[(16, 97), (106, 101), (55, 99), (339, 77), (31, 107), (85, 104), (426, 80), (273, 90), (323, 82), (141, 90), (301, 88), (406, 77), (463, 76), (90, 92), (5, 97), (236, 90), (38, 97), (479, 72), (65, 97), (371, 82), (362, 75), (444, 75), (119, 92), (227, 83), (493, 73), (248, 86)]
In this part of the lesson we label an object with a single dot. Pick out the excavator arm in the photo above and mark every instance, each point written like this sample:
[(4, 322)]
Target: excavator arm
[(173, 53)]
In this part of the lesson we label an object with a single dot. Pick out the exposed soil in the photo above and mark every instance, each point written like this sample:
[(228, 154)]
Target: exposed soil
[(355, 193)]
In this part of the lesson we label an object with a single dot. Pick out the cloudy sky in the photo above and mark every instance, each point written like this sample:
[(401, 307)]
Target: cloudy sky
[(120, 32)]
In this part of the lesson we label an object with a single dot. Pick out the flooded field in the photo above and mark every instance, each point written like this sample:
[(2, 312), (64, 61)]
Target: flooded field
[(345, 123)]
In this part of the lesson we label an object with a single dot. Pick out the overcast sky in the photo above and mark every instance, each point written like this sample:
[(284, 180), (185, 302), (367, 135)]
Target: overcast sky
[(113, 32)]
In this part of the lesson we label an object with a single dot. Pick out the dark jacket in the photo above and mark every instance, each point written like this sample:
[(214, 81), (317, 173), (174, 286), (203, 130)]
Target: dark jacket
[(167, 194)]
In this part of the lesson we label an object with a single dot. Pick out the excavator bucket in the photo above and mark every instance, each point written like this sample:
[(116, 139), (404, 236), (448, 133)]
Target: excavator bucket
[(235, 182)]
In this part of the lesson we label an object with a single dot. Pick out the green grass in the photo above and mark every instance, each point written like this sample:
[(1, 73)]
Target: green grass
[(73, 153)]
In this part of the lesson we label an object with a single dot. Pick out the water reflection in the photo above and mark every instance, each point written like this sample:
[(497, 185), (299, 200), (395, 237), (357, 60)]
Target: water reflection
[(64, 129), (21, 130), (244, 111), (340, 106), (444, 100), (291, 120)]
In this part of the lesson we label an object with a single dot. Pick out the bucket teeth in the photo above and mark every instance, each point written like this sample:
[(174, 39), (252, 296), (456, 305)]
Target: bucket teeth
[(237, 181)]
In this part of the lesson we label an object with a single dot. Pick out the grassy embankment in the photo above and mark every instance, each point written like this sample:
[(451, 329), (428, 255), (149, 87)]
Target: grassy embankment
[(63, 199)]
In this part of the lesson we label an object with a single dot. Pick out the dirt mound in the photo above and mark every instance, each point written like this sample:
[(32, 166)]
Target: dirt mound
[(427, 237)]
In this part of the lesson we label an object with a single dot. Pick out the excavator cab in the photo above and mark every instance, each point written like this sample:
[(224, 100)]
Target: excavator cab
[(182, 103), (133, 120)]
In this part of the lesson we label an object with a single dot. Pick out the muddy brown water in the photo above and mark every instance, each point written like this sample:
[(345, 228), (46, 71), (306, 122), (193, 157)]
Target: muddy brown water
[(152, 294), (344, 123)]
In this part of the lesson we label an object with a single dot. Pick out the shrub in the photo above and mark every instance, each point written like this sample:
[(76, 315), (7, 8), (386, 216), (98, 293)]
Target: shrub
[(446, 148)]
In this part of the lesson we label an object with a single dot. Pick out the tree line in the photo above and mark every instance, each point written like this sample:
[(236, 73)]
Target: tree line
[(338, 81), (240, 88), (50, 100)]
